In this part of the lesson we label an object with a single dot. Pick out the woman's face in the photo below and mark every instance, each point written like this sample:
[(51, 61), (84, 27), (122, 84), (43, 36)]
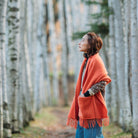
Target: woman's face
[(83, 44)]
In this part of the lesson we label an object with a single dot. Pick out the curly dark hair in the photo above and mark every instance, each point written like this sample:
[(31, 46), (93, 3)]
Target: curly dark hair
[(95, 43)]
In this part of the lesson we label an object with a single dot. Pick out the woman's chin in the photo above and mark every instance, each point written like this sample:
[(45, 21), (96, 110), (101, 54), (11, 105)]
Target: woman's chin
[(80, 50)]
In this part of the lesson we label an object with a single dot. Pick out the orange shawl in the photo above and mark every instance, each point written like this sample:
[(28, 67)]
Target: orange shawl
[(93, 108)]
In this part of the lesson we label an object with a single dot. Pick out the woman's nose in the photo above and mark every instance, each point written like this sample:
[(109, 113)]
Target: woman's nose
[(79, 43)]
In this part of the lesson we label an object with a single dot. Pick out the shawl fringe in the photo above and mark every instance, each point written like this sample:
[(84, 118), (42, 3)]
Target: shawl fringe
[(72, 122), (87, 123)]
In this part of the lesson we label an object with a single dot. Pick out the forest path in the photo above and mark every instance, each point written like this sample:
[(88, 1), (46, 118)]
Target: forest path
[(50, 122)]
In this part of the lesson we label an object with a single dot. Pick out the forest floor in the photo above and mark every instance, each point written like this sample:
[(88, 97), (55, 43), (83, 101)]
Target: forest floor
[(50, 122)]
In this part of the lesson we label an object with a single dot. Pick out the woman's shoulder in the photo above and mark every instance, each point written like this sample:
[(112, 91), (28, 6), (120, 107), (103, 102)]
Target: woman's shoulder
[(96, 58), (97, 62)]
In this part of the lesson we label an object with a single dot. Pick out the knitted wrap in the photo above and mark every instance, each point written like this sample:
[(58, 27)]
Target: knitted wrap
[(93, 108)]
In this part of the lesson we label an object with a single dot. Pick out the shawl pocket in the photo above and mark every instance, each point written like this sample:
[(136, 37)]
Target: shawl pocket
[(85, 108), (91, 107)]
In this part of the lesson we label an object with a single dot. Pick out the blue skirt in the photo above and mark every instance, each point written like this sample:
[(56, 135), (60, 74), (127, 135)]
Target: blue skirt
[(92, 132)]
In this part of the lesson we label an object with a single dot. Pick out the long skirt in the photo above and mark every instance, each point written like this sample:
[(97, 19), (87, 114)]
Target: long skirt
[(92, 132)]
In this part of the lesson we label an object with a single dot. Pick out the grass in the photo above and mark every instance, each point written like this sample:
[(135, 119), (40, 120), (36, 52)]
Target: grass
[(50, 122)]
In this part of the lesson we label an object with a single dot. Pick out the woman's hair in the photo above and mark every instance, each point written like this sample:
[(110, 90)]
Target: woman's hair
[(95, 43)]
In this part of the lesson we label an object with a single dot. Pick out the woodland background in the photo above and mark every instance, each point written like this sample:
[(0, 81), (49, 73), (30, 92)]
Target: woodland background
[(40, 59)]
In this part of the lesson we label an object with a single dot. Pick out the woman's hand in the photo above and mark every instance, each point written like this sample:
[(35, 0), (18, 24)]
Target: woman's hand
[(82, 95)]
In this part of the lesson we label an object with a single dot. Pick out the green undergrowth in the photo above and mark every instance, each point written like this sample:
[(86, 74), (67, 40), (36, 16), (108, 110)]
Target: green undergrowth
[(37, 128), (53, 119), (114, 131)]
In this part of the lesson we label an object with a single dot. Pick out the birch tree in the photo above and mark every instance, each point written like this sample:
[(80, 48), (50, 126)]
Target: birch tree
[(124, 35), (69, 31), (125, 13), (64, 49), (124, 109), (134, 64), (17, 80), (53, 49), (13, 60), (1, 96), (42, 93), (119, 109), (4, 112), (43, 40), (27, 44), (113, 66), (75, 9), (1, 46)]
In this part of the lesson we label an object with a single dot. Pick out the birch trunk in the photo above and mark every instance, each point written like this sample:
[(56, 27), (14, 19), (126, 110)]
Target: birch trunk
[(113, 66), (69, 30), (75, 5), (24, 95), (39, 71), (28, 68), (64, 50), (31, 40), (13, 60), (53, 45), (134, 65), (21, 58), (43, 40), (124, 101), (1, 92), (125, 12), (5, 130)]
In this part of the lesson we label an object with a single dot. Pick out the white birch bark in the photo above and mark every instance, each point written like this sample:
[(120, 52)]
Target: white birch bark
[(124, 102), (134, 65), (29, 83), (19, 84), (25, 95), (30, 52), (13, 59), (84, 11), (41, 36), (21, 61), (28, 70), (39, 73), (1, 48), (69, 30), (125, 12), (77, 55), (5, 130), (1, 91), (54, 52), (35, 53), (113, 66), (30, 18), (64, 58), (43, 41)]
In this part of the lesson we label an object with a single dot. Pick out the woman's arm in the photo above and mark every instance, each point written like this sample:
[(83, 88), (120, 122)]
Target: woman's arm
[(100, 86)]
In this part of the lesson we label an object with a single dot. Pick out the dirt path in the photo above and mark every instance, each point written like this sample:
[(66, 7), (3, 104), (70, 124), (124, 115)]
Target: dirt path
[(51, 123)]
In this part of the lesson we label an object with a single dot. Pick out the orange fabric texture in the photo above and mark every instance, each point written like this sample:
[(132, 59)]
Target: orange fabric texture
[(93, 108)]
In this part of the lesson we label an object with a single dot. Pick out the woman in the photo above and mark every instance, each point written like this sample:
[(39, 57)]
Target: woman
[(88, 111)]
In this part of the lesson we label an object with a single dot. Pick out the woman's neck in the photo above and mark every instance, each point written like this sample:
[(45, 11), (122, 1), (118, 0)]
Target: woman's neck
[(86, 55)]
